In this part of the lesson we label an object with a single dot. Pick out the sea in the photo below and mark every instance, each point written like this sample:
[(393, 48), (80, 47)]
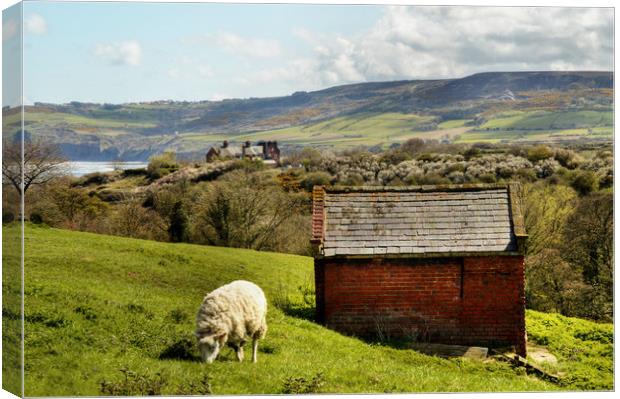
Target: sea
[(80, 168)]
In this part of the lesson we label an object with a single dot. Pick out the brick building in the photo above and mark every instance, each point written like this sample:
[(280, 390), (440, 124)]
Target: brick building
[(432, 263), (267, 151)]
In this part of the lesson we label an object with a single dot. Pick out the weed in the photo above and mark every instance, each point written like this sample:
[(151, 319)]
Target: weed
[(299, 385), (134, 383)]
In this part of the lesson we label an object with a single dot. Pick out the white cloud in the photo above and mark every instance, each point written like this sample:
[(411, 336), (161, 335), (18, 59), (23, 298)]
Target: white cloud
[(35, 24), (244, 46), (120, 53), (441, 42), (9, 29)]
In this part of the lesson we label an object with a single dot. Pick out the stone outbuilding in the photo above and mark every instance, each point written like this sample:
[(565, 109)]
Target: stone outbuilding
[(442, 264)]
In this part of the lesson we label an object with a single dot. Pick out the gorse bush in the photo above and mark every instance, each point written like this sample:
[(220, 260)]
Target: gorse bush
[(161, 165)]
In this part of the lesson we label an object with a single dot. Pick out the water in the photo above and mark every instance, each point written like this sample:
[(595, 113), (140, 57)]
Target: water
[(80, 168)]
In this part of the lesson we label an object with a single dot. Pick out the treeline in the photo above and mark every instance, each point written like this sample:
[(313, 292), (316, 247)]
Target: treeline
[(567, 195)]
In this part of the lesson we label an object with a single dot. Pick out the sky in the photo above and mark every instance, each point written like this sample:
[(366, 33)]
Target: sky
[(131, 52)]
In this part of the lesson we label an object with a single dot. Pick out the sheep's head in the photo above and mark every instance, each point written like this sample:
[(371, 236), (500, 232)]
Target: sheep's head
[(210, 345)]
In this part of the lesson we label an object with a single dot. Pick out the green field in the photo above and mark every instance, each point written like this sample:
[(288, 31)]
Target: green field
[(97, 304), (544, 120), (123, 129)]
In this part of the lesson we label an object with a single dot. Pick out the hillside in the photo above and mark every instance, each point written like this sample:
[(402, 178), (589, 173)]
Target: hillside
[(97, 304), (377, 113)]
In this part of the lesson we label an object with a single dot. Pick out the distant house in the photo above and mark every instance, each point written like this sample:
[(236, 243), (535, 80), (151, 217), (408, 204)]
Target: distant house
[(267, 151), (435, 263)]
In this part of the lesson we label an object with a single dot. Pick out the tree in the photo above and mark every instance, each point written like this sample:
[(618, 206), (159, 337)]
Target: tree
[(588, 247), (588, 238), (177, 231), (547, 207), (553, 285), (42, 162), (241, 210)]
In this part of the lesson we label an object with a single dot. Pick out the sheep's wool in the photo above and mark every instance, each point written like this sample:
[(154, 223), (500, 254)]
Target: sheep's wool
[(238, 309)]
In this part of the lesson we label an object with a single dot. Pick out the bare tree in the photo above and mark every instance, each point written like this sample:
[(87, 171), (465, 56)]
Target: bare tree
[(41, 163)]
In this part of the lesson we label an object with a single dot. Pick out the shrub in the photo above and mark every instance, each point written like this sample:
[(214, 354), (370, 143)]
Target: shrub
[(8, 217), (607, 180), (36, 217), (583, 181), (538, 153), (315, 179), (566, 158), (134, 172), (248, 165), (487, 178), (161, 165), (97, 178), (471, 152)]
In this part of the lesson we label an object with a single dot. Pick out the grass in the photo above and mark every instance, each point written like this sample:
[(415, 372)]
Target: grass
[(584, 349), (341, 132), (545, 120), (112, 315)]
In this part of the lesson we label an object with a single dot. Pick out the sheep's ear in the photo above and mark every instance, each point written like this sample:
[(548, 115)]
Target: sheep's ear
[(221, 338)]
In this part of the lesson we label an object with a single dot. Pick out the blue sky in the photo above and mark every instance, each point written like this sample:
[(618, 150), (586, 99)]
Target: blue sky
[(126, 52)]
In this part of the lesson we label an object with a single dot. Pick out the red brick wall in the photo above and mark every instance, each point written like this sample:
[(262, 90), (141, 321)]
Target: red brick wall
[(469, 301)]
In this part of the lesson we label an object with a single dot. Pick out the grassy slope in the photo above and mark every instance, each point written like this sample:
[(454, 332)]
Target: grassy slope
[(95, 304), (542, 125), (346, 131)]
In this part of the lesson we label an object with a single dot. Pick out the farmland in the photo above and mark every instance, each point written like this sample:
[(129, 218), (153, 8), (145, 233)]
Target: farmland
[(545, 106)]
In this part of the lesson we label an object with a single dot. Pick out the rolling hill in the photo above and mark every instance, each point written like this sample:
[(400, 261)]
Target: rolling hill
[(113, 315), (135, 131)]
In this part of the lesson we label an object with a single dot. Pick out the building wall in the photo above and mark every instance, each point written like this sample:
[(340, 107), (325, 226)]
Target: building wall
[(468, 301)]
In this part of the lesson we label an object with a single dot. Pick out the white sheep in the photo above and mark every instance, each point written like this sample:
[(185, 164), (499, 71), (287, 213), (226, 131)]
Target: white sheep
[(231, 314)]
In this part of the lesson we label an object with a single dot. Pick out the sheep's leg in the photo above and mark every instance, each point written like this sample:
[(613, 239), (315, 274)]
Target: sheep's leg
[(254, 349), (240, 353)]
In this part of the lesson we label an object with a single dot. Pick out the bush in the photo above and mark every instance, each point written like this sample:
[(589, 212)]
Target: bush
[(8, 217), (487, 178), (538, 153), (315, 179), (161, 165), (134, 172), (607, 180), (583, 181), (36, 217), (97, 178), (471, 152)]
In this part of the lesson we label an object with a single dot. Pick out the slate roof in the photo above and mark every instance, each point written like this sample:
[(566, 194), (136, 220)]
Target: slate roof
[(417, 221), (231, 151)]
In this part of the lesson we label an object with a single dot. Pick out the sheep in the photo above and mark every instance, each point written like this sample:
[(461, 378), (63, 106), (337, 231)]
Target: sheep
[(231, 314)]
